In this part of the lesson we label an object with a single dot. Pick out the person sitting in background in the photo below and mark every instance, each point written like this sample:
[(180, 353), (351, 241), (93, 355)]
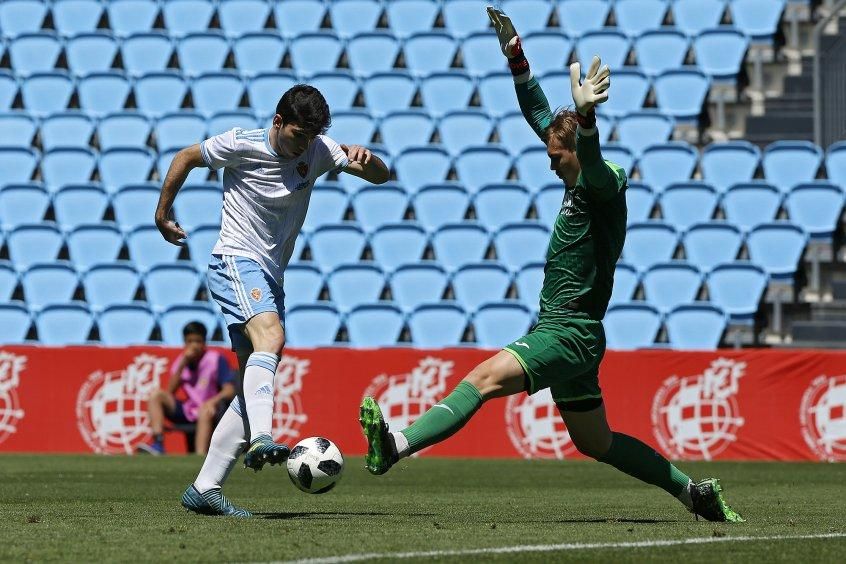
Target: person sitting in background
[(206, 382)]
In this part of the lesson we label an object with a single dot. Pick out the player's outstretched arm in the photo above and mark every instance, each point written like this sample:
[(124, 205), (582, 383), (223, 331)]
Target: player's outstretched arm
[(365, 164), (183, 162)]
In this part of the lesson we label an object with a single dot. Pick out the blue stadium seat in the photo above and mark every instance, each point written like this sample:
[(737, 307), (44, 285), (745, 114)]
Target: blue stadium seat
[(637, 16), (681, 93), (406, 128), (76, 205), (174, 319), (533, 169), (497, 324), (437, 325), (32, 243), (66, 129), (311, 326), (478, 166), (444, 92), (299, 246), (720, 52), (179, 129), (303, 283), (202, 52), (547, 51), (67, 165), (579, 16), (631, 326), (516, 135), (457, 244), (257, 51), (388, 92), (548, 202), (17, 128), (18, 163), (462, 129), (222, 122), (666, 163), (708, 244), (497, 95), (528, 16), (134, 205), (15, 322), (125, 324), (374, 325), (649, 243), (34, 52), (132, 16), (315, 52), (196, 176), (352, 126), (757, 19), (350, 17), (695, 327), (102, 93), (123, 129), (168, 285), (94, 243), (266, 88), (398, 243), (835, 163), (660, 50), (125, 165), (518, 244), (694, 16), (338, 87), (418, 166), (328, 205), (626, 281), (8, 88), (333, 245), (216, 92), (788, 163), (407, 17), (671, 284), (46, 93), (415, 284), (686, 203), (351, 285), (751, 203), (298, 16), (200, 245), (8, 281), (91, 52), (463, 17), (147, 248), (619, 155), (379, 205), (639, 130), (529, 281), (22, 203), (110, 284), (479, 283), (64, 324), (639, 202), (49, 283), (636, 86), (158, 93), (145, 52), (498, 204), (439, 204), (21, 16), (816, 207), (429, 51), (612, 47), (724, 164), (76, 16), (187, 16), (239, 17), (476, 50), (737, 289), (777, 247)]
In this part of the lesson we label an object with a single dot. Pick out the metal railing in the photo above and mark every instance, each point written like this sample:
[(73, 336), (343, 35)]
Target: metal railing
[(830, 82)]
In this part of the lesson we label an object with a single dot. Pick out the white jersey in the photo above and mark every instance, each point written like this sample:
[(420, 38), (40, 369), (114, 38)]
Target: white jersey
[(265, 196)]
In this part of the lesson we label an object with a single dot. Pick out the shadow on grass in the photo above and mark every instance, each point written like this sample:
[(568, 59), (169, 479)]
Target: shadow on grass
[(333, 514), (621, 520)]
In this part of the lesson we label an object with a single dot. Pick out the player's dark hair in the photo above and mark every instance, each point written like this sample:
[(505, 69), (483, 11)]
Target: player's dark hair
[(563, 129), (305, 106), (195, 328)]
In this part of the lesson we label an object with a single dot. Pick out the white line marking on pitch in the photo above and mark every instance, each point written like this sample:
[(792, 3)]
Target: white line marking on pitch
[(554, 548)]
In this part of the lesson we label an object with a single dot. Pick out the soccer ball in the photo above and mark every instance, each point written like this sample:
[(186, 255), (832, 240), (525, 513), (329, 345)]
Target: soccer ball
[(315, 465)]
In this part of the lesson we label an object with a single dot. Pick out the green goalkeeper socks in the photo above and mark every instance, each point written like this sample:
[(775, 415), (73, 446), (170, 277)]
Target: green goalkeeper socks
[(641, 461), (445, 418)]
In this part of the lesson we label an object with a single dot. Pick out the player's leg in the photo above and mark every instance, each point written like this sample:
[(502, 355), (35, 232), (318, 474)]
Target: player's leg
[(160, 403), (204, 427)]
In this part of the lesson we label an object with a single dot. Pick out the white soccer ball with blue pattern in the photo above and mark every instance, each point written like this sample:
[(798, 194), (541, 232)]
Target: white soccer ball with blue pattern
[(315, 465)]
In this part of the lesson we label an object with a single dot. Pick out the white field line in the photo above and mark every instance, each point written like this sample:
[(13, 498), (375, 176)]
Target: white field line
[(553, 548)]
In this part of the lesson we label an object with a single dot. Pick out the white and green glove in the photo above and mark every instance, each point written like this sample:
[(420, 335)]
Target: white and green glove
[(509, 42), (592, 90)]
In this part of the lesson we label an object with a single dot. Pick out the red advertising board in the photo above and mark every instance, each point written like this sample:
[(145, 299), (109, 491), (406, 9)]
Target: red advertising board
[(722, 405)]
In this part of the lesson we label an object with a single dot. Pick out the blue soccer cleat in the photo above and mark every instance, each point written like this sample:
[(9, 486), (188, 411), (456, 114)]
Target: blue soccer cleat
[(264, 451), (211, 502)]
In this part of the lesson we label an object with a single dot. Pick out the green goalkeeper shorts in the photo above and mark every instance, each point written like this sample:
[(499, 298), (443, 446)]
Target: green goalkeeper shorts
[(563, 355)]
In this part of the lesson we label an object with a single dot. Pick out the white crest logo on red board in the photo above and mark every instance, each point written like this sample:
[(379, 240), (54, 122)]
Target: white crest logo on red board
[(535, 427), (822, 415), (111, 407), (697, 417), (11, 368), (288, 414), (405, 397)]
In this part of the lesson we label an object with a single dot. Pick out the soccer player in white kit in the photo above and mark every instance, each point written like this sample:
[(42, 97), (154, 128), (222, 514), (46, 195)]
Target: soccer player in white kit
[(268, 176)]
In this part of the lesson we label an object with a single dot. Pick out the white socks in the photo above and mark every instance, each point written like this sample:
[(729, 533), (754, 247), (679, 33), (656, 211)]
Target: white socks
[(401, 443), (258, 392), (685, 498), (227, 441)]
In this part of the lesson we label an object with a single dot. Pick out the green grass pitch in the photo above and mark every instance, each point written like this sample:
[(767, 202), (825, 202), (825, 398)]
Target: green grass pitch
[(93, 508)]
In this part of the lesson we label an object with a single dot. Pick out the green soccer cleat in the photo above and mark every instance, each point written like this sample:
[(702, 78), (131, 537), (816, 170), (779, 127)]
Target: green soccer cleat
[(264, 451), (381, 454), (211, 502), (708, 502)]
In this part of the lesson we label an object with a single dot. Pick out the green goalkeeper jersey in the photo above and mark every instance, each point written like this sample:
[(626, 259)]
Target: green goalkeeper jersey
[(590, 229)]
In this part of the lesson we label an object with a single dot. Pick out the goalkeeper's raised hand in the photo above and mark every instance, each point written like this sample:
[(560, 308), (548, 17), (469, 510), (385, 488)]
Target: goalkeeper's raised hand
[(593, 89), (509, 42)]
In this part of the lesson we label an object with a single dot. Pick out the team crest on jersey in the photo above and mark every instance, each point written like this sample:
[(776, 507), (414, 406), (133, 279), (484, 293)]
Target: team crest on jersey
[(11, 368), (822, 415), (288, 414), (255, 293), (111, 407), (535, 427), (697, 417), (302, 168), (405, 397)]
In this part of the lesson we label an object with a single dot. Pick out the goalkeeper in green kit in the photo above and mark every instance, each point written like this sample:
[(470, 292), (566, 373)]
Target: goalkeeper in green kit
[(564, 349)]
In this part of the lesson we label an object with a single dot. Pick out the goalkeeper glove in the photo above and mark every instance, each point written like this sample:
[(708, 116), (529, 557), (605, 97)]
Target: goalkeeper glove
[(509, 42), (591, 91)]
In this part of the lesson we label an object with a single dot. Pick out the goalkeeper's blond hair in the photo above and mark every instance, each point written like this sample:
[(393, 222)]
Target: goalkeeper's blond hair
[(562, 129)]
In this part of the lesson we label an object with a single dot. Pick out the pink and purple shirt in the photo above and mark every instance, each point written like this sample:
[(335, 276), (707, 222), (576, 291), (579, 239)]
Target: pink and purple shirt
[(203, 381)]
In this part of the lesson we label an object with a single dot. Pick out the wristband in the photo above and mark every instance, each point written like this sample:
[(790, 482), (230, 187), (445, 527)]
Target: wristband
[(518, 62), (588, 121)]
